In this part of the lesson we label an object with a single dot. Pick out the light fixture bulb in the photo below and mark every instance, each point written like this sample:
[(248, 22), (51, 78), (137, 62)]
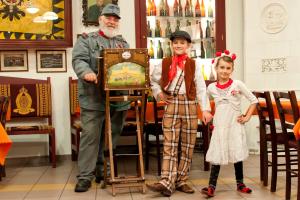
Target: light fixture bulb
[(50, 15), (32, 10), (39, 19)]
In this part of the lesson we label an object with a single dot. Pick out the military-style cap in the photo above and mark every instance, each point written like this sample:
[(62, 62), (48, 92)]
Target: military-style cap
[(181, 34), (111, 9)]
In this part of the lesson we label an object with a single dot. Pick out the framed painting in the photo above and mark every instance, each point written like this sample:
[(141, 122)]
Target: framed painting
[(92, 10), (14, 61), (51, 61), (20, 28), (124, 69)]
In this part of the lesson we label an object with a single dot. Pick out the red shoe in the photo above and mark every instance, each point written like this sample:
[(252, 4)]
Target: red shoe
[(241, 187), (208, 191)]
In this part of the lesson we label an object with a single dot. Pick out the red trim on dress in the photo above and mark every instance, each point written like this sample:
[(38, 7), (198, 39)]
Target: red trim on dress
[(224, 86)]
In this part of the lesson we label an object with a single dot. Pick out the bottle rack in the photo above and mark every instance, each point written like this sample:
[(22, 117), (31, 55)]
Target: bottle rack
[(203, 44)]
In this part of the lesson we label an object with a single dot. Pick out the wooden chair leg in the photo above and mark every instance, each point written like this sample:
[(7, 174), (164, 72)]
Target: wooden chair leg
[(1, 168), (147, 151), (274, 167), (265, 168), (52, 149), (262, 154), (288, 173), (158, 154), (115, 166)]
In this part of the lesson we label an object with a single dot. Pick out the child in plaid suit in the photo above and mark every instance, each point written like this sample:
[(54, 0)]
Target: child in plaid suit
[(178, 82)]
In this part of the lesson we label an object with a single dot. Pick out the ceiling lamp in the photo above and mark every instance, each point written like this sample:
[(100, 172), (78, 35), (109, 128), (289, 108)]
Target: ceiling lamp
[(39, 19), (50, 16)]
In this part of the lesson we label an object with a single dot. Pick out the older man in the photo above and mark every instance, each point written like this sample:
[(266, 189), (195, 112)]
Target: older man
[(92, 96)]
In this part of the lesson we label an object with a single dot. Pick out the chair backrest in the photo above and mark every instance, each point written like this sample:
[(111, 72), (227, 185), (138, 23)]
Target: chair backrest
[(73, 98), (30, 98), (158, 109), (265, 111), (288, 109), (4, 101)]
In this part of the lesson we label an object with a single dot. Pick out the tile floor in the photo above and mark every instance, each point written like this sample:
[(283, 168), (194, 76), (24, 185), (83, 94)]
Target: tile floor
[(36, 179)]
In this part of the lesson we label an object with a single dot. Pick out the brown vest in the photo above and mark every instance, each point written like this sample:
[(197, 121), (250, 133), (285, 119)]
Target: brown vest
[(189, 76)]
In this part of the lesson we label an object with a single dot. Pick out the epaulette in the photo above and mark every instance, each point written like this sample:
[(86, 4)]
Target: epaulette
[(84, 35)]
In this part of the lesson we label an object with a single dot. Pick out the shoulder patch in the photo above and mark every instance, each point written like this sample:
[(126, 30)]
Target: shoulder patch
[(84, 35)]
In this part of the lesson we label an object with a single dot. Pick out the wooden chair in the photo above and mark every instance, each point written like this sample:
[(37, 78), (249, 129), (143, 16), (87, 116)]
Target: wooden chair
[(289, 115), (30, 103), (75, 124), (4, 101), (269, 134)]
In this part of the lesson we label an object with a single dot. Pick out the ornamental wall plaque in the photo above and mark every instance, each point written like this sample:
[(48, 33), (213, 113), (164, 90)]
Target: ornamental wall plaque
[(274, 18), (277, 65)]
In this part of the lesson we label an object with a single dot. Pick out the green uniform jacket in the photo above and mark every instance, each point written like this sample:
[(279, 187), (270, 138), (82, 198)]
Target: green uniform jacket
[(85, 52)]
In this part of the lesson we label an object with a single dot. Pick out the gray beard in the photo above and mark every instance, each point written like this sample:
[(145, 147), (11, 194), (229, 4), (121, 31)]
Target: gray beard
[(108, 31)]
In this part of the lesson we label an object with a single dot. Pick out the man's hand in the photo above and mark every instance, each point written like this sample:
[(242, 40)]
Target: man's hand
[(91, 77), (206, 117), (165, 98)]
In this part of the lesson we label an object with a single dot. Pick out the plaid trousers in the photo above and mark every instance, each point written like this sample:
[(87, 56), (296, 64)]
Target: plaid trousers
[(180, 119)]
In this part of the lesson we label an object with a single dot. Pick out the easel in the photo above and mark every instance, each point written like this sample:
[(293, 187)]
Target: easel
[(139, 95)]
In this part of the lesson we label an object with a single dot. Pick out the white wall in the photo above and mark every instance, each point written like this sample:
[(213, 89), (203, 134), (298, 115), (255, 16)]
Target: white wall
[(36, 145)]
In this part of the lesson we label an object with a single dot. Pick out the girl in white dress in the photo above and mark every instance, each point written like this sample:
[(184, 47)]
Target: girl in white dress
[(228, 142)]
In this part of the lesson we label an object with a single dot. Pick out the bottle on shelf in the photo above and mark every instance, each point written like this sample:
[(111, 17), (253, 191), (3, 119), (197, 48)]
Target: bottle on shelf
[(167, 8), (149, 8), (212, 28), (157, 29), (153, 8), (159, 51), (189, 27), (203, 72), (168, 51), (176, 8), (210, 11), (197, 9), (177, 25), (168, 30), (187, 11), (180, 13), (201, 31), (208, 49), (151, 50), (149, 30), (207, 30), (211, 75), (202, 52), (162, 11), (191, 8), (202, 9)]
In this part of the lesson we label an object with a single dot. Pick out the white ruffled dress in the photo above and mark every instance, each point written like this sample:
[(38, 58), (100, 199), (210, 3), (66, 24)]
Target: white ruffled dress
[(228, 142)]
